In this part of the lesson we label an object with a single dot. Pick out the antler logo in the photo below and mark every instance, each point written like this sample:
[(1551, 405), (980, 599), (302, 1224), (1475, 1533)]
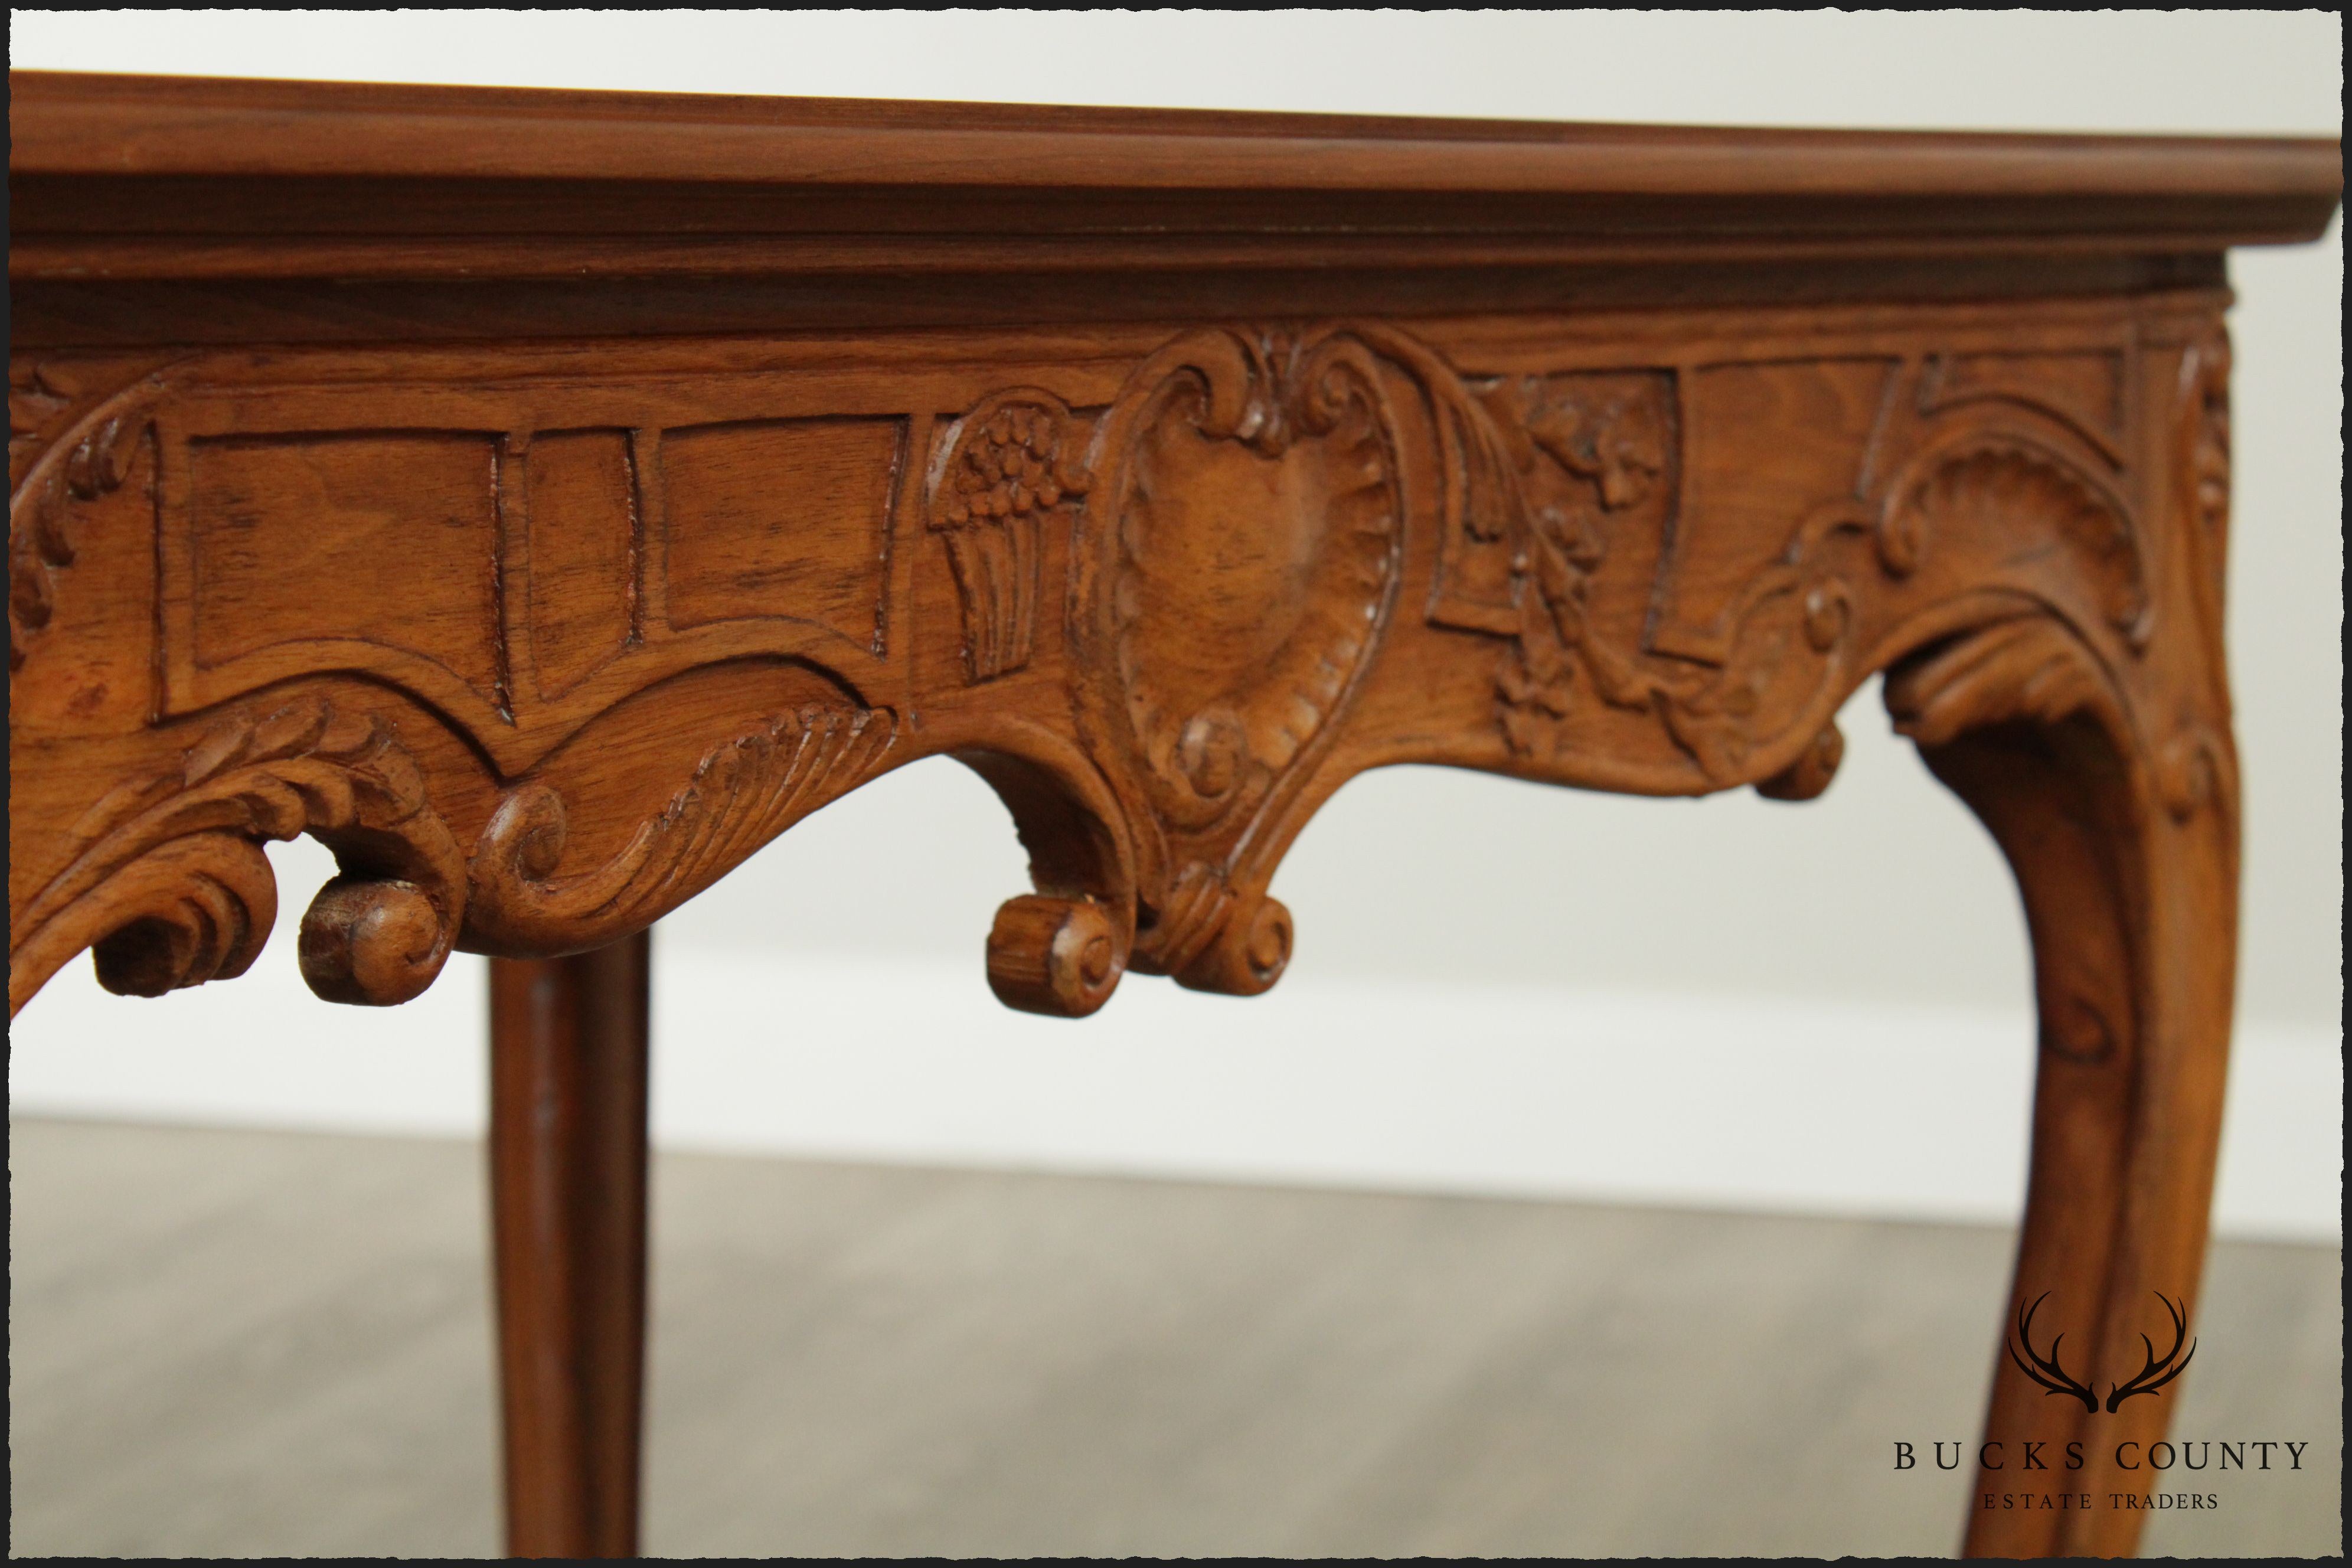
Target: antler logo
[(2046, 1370)]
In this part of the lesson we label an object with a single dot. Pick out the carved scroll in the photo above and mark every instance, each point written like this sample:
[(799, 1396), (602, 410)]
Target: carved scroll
[(743, 794), (173, 889)]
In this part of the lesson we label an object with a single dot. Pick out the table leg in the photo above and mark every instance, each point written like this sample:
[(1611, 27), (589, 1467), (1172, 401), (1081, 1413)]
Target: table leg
[(568, 1201), (2130, 892)]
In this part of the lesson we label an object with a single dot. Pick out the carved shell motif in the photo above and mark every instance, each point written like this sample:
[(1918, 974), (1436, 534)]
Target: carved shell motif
[(1246, 524), (1983, 487)]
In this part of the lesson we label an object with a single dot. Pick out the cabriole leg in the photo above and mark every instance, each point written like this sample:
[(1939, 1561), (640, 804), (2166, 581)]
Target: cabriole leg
[(2127, 856)]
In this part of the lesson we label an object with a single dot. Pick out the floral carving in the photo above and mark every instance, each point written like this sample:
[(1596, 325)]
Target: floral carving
[(743, 794), (1003, 469), (1617, 441), (172, 889), (1609, 444), (1235, 520), (1615, 436)]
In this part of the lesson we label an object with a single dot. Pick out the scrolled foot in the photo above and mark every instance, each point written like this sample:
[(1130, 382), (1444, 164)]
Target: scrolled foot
[(1061, 957), (1247, 956), (1810, 773), (373, 943)]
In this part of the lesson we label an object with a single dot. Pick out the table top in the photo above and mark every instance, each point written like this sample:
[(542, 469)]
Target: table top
[(128, 176)]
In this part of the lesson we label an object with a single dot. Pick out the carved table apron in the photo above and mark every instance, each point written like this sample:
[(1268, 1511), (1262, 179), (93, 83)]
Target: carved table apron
[(546, 499)]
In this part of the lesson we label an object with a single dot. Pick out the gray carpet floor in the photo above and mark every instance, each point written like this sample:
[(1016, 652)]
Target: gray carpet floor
[(241, 1344)]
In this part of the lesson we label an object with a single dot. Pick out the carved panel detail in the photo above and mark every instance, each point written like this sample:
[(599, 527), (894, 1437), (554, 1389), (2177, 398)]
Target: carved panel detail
[(583, 539), (1610, 438), (1616, 438), (1783, 626), (1641, 565), (373, 541), (783, 517), (519, 555)]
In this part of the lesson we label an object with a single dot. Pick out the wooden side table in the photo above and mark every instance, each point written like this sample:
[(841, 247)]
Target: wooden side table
[(546, 499)]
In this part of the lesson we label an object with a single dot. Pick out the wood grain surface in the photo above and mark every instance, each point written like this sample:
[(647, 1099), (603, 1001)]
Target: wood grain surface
[(546, 499)]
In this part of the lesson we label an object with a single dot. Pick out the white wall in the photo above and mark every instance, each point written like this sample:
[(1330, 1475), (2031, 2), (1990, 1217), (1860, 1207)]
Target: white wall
[(1878, 922)]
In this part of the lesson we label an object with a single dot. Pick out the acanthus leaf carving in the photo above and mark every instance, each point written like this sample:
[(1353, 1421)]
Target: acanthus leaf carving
[(1993, 708), (2024, 669), (172, 888), (52, 471), (741, 795), (2027, 672)]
